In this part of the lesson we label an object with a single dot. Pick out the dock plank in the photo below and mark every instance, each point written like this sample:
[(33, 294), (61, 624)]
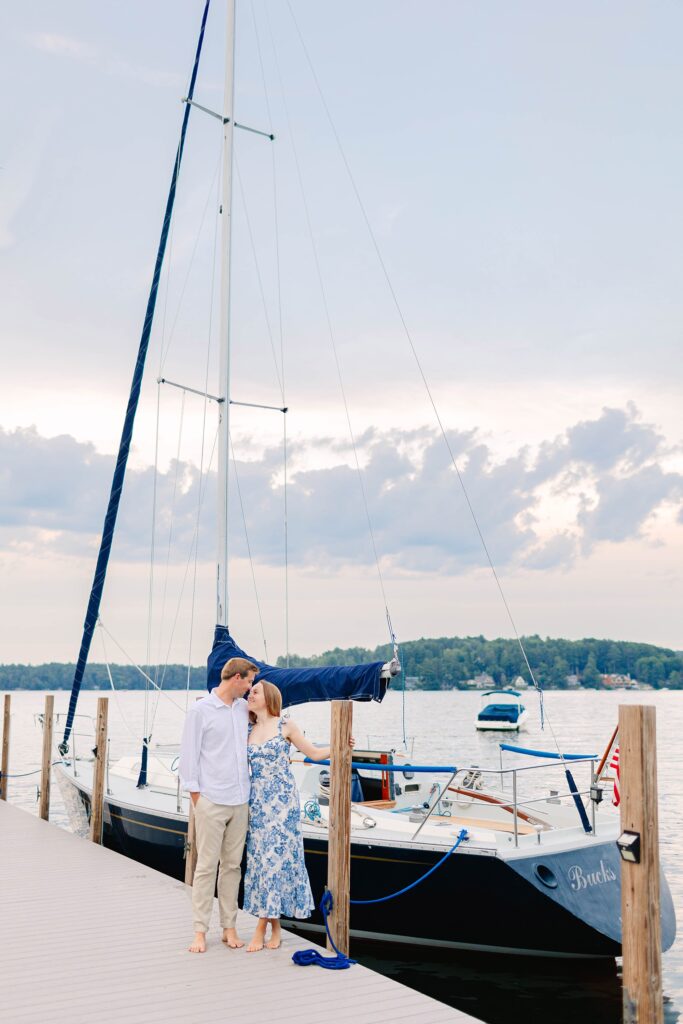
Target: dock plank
[(87, 935)]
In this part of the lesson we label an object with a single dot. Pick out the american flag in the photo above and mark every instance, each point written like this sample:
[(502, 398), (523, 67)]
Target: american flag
[(614, 763)]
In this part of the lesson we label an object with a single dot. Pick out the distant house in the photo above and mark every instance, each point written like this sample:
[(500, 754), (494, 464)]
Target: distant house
[(413, 682), (481, 682), (573, 682), (616, 681)]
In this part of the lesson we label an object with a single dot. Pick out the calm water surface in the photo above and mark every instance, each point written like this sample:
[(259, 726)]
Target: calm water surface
[(495, 989)]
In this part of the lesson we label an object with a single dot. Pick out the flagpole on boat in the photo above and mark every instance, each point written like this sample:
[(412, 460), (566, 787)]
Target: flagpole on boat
[(224, 349)]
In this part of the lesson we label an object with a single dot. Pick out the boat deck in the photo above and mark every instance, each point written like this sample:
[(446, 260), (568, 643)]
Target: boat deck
[(88, 935)]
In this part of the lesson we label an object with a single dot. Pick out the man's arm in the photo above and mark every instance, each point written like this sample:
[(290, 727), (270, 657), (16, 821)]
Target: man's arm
[(190, 745)]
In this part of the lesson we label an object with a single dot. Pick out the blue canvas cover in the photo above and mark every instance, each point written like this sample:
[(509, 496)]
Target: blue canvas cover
[(301, 685)]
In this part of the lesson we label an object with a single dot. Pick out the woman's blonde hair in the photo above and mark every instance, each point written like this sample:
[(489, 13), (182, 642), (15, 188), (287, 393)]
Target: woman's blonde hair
[(273, 700)]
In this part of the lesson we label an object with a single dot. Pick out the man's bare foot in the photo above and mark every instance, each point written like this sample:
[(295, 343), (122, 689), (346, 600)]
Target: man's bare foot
[(257, 938), (232, 939), (198, 945), (275, 940)]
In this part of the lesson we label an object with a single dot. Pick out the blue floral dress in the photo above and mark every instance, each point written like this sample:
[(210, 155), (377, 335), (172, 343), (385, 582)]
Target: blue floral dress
[(276, 882)]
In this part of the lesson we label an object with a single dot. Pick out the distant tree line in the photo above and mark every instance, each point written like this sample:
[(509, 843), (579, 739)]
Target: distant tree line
[(448, 662), (59, 676), (440, 664)]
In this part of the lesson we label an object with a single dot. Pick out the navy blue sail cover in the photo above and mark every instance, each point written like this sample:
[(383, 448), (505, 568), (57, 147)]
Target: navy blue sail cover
[(301, 685)]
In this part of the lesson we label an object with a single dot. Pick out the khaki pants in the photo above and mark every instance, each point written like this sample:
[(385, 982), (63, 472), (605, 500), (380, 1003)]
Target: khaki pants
[(220, 834)]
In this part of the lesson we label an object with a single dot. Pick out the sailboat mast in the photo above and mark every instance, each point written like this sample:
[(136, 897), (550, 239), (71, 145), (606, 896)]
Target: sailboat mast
[(224, 357)]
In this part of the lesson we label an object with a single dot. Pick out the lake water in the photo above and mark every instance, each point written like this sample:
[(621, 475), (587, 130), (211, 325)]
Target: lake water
[(495, 989)]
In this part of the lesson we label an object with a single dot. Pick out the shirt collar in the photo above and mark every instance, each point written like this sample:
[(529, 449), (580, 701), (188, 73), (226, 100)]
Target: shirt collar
[(216, 702)]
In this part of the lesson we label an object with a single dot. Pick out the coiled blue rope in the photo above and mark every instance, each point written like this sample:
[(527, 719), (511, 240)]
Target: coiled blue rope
[(340, 962), (307, 957)]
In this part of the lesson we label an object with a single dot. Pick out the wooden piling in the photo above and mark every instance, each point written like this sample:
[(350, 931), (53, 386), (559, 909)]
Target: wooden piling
[(97, 799), (190, 847), (48, 714), (4, 766), (339, 847), (640, 890)]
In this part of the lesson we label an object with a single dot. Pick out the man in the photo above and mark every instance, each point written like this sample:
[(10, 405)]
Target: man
[(215, 772)]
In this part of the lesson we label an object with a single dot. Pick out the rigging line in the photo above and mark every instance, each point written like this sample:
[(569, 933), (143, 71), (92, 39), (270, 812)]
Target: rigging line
[(412, 346), (168, 548), (138, 669), (330, 329), (124, 718), (150, 599), (259, 278), (201, 462), (273, 152), (164, 353), (167, 291), (286, 538), (246, 537), (118, 479), (187, 567)]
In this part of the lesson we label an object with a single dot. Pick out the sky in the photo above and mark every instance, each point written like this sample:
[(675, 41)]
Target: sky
[(520, 168)]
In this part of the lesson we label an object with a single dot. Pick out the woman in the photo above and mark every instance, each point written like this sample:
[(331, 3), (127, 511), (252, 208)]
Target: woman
[(276, 882)]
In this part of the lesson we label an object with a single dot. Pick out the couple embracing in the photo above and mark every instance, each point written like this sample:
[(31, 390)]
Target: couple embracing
[(234, 762)]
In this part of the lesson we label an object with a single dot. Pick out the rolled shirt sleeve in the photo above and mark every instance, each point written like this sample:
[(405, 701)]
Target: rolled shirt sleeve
[(190, 745)]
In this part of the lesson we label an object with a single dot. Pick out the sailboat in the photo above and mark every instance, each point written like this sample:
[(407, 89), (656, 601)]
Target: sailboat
[(531, 875)]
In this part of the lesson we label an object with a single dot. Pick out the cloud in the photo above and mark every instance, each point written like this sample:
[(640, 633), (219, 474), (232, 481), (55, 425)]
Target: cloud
[(76, 49), (625, 504), (53, 494), (64, 46)]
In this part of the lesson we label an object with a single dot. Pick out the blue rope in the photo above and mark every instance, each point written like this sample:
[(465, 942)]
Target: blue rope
[(383, 899), (340, 962), (307, 957)]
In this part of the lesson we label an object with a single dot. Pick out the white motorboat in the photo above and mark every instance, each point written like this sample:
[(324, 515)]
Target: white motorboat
[(501, 710)]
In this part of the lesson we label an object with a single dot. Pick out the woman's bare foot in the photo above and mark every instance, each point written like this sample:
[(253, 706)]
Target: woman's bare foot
[(232, 939), (198, 945), (275, 940), (257, 938)]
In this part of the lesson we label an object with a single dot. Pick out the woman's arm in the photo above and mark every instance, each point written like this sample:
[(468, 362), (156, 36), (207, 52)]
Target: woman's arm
[(293, 733)]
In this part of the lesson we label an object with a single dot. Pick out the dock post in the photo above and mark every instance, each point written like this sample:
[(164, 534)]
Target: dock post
[(44, 810), (640, 892), (339, 847), (4, 769), (190, 847), (97, 799)]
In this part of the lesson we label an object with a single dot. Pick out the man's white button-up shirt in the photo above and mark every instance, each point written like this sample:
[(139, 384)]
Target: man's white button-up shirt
[(213, 752)]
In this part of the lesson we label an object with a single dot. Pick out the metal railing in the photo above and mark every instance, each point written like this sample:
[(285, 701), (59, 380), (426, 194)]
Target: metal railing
[(593, 793)]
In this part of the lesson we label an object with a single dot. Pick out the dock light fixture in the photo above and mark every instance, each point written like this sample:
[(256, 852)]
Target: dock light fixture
[(629, 846)]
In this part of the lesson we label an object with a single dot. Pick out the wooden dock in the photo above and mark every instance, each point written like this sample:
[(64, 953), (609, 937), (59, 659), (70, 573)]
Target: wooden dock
[(87, 935)]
